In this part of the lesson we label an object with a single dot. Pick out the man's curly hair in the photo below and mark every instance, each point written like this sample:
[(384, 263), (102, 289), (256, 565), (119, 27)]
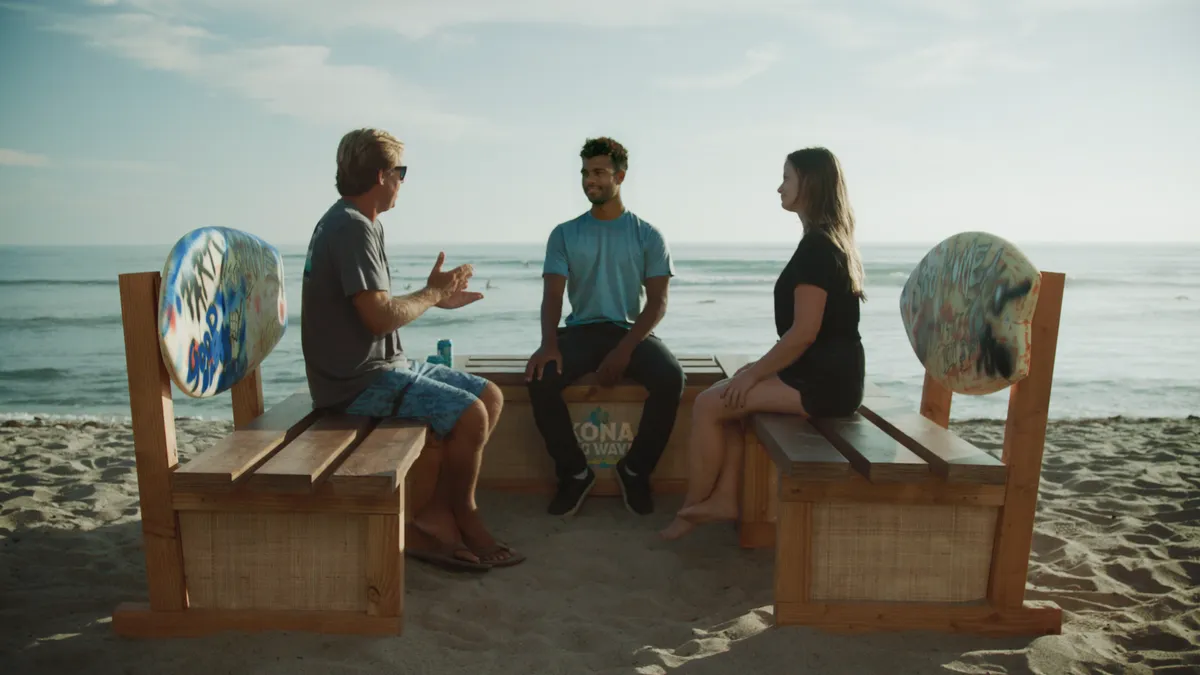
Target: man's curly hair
[(599, 147)]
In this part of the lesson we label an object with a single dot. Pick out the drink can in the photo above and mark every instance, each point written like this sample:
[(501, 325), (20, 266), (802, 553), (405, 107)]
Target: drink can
[(445, 349)]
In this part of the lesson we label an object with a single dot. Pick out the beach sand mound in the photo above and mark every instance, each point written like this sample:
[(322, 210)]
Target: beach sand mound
[(1117, 545)]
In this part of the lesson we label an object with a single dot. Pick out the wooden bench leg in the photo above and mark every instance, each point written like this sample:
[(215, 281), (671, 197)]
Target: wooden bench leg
[(756, 528)]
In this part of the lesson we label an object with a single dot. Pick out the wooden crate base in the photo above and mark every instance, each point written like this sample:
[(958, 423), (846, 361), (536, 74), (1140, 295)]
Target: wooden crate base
[(1033, 618), (136, 619)]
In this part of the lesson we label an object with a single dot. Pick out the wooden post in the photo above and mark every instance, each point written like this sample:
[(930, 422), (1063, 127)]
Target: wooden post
[(793, 553), (247, 398), (1024, 442), (153, 439), (755, 529), (935, 401)]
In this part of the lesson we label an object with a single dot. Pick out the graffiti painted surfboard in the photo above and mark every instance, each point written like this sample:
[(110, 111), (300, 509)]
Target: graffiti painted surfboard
[(222, 308), (968, 310)]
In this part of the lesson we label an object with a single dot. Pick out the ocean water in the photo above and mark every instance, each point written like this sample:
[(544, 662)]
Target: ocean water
[(1127, 342)]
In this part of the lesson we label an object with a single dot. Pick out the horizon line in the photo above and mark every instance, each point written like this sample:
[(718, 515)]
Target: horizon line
[(708, 242)]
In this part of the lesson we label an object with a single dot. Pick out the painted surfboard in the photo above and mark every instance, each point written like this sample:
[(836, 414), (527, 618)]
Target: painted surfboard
[(222, 308), (968, 308)]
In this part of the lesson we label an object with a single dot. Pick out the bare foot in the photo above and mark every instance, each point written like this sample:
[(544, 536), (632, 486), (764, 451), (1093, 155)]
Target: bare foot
[(482, 543), (710, 511), (678, 528)]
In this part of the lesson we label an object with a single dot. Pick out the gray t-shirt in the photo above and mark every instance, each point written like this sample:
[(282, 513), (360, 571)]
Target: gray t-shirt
[(341, 356)]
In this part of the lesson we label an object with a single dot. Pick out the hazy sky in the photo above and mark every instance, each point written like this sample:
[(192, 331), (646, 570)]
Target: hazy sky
[(138, 120)]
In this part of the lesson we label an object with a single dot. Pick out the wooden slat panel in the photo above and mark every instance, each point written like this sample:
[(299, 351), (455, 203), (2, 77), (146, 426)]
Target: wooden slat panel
[(133, 619), (873, 453), (856, 488), (1034, 618), (153, 439), (513, 375), (952, 458), (303, 463), (247, 395), (731, 362), (233, 457), (321, 500), (378, 465), (798, 449), (1024, 444)]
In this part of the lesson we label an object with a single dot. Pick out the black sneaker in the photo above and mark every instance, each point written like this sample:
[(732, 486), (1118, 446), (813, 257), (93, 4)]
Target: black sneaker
[(571, 493), (635, 490)]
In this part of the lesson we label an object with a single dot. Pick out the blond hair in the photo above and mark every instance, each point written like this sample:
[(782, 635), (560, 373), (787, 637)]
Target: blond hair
[(826, 206), (361, 155)]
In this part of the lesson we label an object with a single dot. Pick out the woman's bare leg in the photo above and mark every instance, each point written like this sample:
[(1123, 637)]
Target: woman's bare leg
[(715, 463), (706, 454), (722, 504)]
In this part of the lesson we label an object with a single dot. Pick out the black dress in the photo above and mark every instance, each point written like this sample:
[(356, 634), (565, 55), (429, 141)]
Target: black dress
[(829, 374)]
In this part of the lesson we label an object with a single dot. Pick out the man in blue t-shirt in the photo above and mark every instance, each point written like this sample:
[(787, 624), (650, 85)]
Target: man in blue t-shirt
[(607, 260)]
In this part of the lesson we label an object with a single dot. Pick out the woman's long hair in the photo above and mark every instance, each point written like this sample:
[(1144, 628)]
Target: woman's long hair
[(826, 206)]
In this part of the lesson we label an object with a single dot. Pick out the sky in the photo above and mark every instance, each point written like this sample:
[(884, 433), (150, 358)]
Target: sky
[(135, 121)]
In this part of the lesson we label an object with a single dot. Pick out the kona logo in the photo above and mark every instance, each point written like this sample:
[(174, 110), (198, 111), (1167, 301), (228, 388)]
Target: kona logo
[(602, 440)]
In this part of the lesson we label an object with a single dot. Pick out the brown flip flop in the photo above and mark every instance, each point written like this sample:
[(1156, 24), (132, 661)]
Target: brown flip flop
[(444, 557)]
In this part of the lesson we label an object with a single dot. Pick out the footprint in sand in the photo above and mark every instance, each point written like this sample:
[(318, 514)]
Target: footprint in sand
[(1154, 639), (1139, 579), (76, 493), (114, 474)]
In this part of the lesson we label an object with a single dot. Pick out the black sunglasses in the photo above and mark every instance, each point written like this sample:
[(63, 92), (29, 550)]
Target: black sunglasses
[(402, 170)]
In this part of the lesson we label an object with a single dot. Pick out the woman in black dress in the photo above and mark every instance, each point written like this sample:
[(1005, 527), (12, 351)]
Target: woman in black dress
[(816, 368)]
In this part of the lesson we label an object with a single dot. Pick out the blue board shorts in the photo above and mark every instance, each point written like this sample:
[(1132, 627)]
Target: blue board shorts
[(427, 392)]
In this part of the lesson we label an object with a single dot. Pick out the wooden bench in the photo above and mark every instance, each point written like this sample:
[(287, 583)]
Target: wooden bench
[(294, 521), (886, 520), (516, 459)]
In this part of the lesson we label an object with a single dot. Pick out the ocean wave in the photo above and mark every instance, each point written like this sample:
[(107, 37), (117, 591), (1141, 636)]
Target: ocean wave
[(34, 374), (47, 323)]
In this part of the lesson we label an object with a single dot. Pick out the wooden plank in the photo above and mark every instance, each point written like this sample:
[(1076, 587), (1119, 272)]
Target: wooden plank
[(385, 565), (322, 500), (303, 463), (949, 456), (152, 411), (247, 398), (935, 401), (134, 619), (857, 489), (378, 465), (1034, 618), (871, 451), (512, 373), (222, 465), (730, 363), (1024, 443), (798, 449)]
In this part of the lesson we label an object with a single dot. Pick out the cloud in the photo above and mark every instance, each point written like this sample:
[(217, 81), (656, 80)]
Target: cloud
[(950, 63), (294, 80), (755, 62), (10, 157)]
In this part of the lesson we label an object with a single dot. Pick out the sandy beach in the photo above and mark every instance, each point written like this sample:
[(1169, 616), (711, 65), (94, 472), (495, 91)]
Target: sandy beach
[(1117, 545)]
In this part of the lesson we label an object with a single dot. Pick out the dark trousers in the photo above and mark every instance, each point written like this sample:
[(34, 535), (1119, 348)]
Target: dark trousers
[(583, 348)]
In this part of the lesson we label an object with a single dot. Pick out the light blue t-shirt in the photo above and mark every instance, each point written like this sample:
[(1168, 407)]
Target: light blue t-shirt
[(605, 263)]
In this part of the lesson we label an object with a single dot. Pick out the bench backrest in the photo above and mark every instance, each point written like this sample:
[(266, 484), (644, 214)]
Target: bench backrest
[(222, 308)]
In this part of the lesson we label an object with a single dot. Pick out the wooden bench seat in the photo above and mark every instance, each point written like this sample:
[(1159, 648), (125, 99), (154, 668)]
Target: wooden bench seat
[(293, 521), (516, 459), (885, 519)]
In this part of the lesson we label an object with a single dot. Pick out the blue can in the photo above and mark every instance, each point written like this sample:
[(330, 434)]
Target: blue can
[(445, 349)]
